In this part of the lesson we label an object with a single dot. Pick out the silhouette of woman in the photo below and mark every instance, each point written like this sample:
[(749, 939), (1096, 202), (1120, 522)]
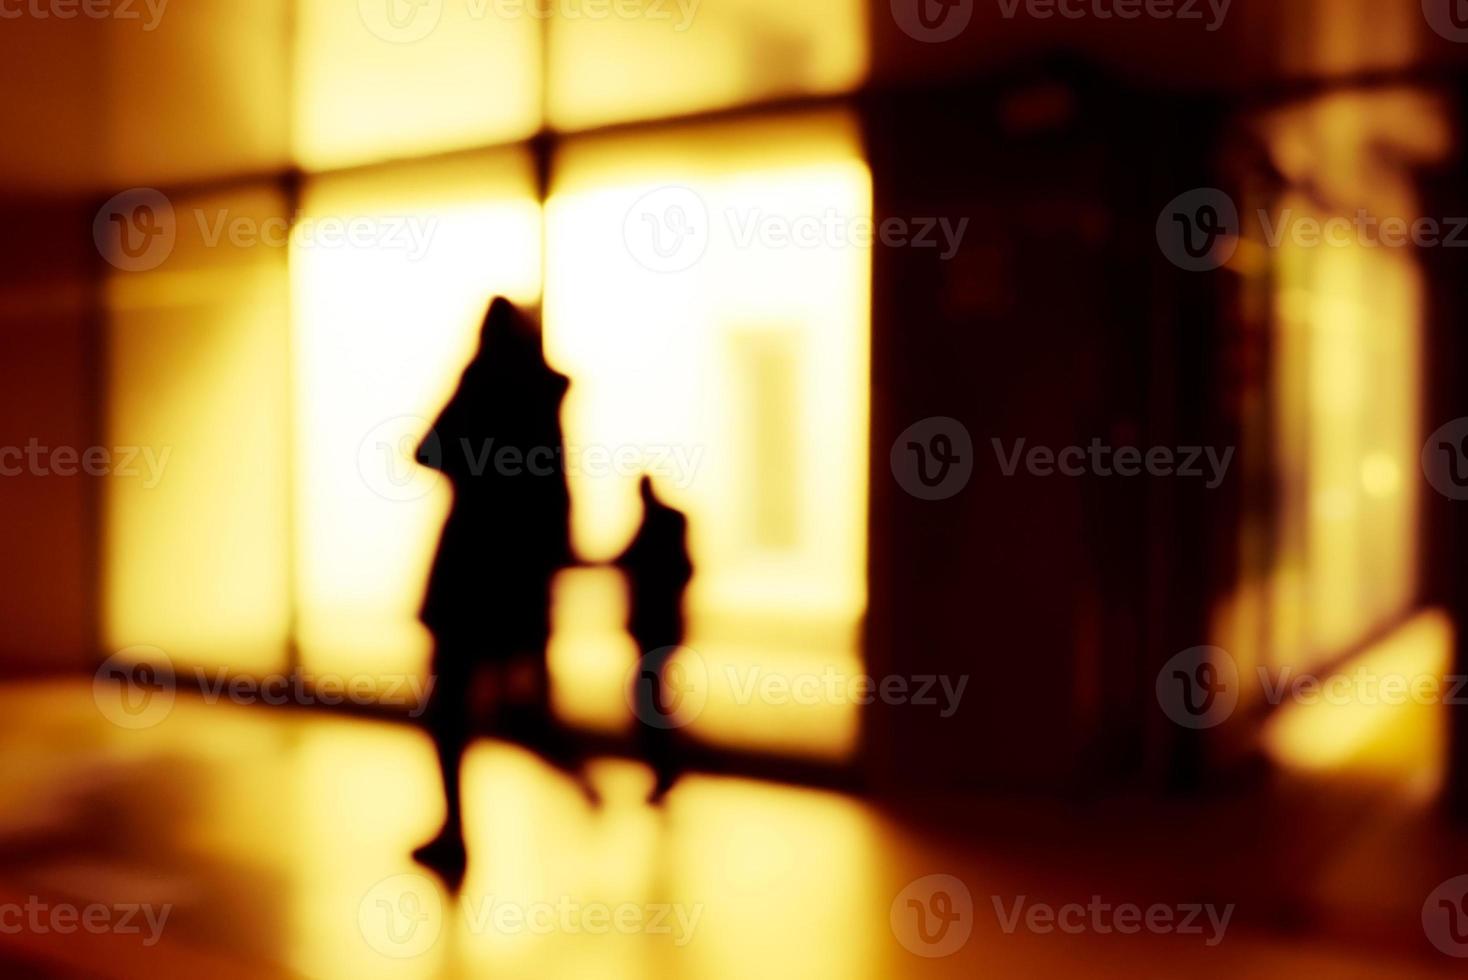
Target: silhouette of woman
[(498, 441)]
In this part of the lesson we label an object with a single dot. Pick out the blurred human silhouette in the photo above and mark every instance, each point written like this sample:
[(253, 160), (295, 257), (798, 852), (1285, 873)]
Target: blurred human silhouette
[(498, 441), (658, 570)]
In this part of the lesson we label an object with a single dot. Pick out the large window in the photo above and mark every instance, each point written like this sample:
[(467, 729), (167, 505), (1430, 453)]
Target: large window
[(737, 374), (1331, 554), (289, 376), (381, 329), (194, 545)]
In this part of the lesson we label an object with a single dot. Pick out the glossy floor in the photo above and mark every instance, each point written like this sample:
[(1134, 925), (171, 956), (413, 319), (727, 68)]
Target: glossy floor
[(255, 842)]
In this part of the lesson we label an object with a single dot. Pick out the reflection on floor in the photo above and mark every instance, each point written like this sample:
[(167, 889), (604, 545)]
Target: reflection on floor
[(275, 843)]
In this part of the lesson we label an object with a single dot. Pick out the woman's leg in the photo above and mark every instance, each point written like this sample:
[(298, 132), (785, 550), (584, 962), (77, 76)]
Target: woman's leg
[(448, 723)]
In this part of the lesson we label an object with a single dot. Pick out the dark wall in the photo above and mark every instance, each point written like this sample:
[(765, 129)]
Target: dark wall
[(48, 393), (1445, 523), (1058, 322)]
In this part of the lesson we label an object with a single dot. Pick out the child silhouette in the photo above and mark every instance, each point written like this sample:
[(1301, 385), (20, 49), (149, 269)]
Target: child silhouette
[(658, 569)]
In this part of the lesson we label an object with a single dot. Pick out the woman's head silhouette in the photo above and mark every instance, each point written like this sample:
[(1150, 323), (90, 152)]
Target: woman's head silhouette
[(510, 341)]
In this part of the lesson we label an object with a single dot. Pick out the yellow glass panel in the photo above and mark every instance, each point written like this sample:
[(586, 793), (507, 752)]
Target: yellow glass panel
[(385, 319), (1349, 344), (386, 79), (739, 380), (194, 90), (1381, 717), (196, 541), (648, 58), (1343, 37), (1348, 370), (1340, 591)]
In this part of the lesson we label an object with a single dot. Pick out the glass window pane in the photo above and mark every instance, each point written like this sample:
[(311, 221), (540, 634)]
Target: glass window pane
[(196, 501), (385, 79), (1348, 349), (196, 90), (1344, 430), (385, 320), (646, 59), (736, 373)]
